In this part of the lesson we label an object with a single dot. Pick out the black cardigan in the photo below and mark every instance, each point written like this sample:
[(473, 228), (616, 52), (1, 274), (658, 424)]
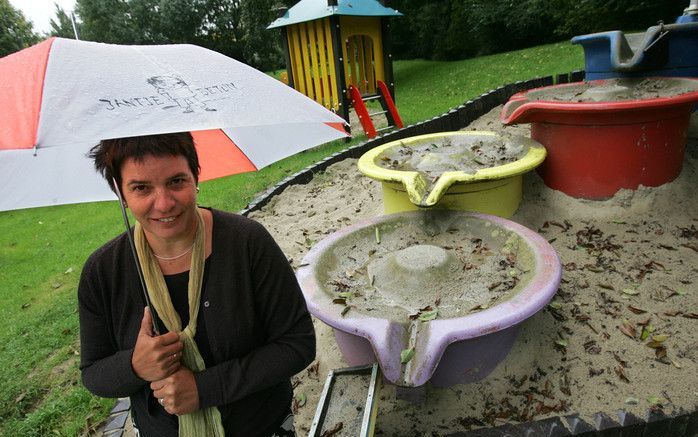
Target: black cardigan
[(258, 329)]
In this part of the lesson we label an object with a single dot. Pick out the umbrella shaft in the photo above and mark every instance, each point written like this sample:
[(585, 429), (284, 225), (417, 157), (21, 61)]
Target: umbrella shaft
[(156, 330)]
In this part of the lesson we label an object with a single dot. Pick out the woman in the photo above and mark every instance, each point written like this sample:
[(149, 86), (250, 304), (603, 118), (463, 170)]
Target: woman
[(233, 323)]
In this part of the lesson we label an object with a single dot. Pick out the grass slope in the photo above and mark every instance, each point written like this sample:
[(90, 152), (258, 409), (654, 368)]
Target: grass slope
[(42, 249)]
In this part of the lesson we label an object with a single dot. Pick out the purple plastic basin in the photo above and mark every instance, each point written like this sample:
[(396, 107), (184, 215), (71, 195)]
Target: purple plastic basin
[(461, 344)]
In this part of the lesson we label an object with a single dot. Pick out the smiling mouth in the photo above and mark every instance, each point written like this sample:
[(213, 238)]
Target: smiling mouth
[(165, 219)]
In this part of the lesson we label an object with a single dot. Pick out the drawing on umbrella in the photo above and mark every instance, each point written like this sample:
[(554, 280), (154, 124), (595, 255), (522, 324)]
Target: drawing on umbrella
[(177, 90)]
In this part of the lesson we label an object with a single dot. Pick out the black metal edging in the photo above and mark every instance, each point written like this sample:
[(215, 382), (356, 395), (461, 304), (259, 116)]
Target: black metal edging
[(654, 424)]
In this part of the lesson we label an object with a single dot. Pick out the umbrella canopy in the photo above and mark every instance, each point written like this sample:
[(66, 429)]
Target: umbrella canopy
[(60, 97)]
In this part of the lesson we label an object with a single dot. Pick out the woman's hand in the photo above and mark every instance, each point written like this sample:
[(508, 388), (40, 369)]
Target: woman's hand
[(155, 357), (178, 392)]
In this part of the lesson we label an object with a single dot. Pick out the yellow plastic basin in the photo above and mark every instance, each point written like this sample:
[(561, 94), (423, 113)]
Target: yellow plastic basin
[(493, 190)]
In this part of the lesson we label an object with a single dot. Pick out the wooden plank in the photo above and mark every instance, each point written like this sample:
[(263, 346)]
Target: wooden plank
[(340, 58), (306, 61), (331, 56), (385, 55), (322, 60), (297, 59), (315, 68), (360, 63), (369, 65), (351, 52)]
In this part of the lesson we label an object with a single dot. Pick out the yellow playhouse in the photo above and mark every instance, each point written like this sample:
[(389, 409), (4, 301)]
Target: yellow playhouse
[(334, 47)]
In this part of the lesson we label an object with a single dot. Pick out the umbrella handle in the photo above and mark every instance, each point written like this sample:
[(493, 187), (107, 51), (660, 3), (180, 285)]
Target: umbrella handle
[(156, 330)]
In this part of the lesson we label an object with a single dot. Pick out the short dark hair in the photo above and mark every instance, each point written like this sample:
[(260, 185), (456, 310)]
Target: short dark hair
[(109, 155)]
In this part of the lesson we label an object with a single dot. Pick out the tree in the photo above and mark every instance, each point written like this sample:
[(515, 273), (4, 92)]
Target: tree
[(262, 47), (61, 25), (16, 32), (109, 21), (214, 24), (456, 29)]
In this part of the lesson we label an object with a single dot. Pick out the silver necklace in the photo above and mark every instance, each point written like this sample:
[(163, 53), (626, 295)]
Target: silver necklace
[(171, 258)]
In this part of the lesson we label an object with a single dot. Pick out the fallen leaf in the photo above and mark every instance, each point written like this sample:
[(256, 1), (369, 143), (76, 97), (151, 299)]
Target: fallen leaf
[(660, 338), (406, 355), (630, 291), (660, 352), (628, 329), (636, 310), (70, 270), (592, 348), (693, 247), (621, 373), (655, 344), (654, 400), (428, 315), (302, 399), (632, 401), (555, 305), (561, 343), (334, 430)]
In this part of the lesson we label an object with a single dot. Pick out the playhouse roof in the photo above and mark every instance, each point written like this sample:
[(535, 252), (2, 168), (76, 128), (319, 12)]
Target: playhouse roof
[(308, 10)]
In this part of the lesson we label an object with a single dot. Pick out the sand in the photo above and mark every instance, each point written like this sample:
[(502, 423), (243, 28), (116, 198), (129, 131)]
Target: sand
[(459, 153), (616, 90), (459, 266), (618, 334)]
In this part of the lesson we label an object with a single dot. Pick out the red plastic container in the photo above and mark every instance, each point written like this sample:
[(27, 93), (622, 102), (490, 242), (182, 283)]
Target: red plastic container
[(596, 148)]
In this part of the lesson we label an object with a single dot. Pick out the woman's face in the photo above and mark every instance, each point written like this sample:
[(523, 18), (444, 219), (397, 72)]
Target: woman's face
[(161, 193)]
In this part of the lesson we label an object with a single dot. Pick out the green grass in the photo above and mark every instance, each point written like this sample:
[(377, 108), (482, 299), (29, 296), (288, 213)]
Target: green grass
[(425, 89), (42, 250)]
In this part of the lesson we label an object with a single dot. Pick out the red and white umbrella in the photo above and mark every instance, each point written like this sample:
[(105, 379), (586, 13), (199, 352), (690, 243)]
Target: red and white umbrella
[(60, 97)]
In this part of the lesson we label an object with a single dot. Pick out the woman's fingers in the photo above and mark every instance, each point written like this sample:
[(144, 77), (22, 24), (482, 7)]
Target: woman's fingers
[(175, 366), (169, 338), (178, 392), (168, 354)]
